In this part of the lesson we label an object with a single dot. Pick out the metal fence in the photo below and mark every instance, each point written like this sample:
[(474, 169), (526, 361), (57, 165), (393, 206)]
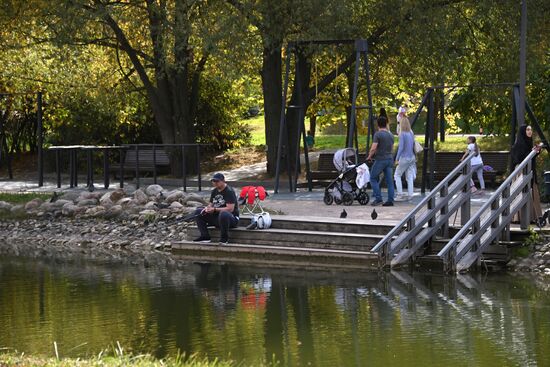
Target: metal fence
[(135, 158)]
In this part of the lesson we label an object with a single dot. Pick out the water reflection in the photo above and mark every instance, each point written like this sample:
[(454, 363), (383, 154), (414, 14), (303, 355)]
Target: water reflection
[(297, 317)]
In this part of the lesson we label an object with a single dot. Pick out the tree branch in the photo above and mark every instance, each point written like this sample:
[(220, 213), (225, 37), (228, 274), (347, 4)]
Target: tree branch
[(130, 51)]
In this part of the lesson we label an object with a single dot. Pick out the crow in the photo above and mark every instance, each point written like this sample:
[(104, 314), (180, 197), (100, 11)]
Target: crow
[(344, 214), (54, 197), (374, 214)]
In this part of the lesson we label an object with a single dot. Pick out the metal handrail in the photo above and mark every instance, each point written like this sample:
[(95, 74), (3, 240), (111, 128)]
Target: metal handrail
[(451, 245), (399, 227)]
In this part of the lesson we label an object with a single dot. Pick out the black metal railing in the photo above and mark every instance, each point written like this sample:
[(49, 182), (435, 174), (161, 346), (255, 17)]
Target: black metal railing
[(139, 161)]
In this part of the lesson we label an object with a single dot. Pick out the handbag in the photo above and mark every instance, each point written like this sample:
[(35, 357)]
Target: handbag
[(417, 147)]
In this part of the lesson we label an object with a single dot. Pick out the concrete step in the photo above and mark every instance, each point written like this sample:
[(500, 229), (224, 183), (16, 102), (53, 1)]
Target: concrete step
[(367, 226), (295, 238), (275, 256)]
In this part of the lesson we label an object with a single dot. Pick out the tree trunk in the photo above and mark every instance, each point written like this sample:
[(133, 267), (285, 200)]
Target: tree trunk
[(303, 72), (312, 124), (272, 90)]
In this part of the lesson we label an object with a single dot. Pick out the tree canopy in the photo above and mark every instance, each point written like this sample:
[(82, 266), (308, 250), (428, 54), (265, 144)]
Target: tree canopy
[(180, 71)]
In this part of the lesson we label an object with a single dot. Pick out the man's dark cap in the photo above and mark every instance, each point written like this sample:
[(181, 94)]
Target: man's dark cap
[(218, 177)]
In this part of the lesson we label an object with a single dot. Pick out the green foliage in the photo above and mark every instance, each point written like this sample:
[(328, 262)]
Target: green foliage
[(217, 121)]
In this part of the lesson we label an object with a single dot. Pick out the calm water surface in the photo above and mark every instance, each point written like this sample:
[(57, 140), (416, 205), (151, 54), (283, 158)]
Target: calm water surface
[(298, 318)]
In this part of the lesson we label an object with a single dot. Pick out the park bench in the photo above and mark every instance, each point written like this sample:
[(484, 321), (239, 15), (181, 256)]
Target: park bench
[(445, 162), (147, 162), (325, 168)]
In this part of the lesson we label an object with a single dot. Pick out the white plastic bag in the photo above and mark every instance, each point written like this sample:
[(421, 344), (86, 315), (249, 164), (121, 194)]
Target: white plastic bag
[(363, 175)]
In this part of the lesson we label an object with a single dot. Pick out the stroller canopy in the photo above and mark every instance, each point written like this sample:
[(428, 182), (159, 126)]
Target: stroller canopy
[(344, 158)]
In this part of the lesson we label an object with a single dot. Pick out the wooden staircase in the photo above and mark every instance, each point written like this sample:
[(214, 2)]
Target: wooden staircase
[(315, 243), (318, 242)]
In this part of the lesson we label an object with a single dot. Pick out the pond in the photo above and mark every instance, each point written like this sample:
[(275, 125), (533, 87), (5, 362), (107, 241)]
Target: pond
[(296, 317)]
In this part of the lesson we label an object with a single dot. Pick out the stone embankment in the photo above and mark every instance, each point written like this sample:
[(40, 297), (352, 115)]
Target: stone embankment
[(538, 261), (112, 227)]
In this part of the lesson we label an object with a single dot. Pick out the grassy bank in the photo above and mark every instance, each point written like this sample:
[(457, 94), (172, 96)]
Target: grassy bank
[(22, 198), (11, 359)]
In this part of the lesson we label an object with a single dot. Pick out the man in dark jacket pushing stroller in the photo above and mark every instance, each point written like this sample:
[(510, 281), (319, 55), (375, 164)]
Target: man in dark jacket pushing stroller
[(381, 150)]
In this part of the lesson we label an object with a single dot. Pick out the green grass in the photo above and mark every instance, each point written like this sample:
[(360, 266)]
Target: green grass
[(327, 142), (257, 129), (17, 198), (12, 359)]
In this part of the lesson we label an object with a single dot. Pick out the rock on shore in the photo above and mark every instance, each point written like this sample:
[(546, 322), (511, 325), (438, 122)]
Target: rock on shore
[(132, 241), (538, 261), (152, 201), (116, 226)]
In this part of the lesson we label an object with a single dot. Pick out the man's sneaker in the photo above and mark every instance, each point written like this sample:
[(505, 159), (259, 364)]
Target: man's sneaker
[(388, 203), (400, 197), (224, 241), (202, 239), (377, 202)]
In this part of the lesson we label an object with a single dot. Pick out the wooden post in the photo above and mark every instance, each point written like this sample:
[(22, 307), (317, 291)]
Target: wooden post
[(370, 129), (155, 164), (442, 116), (522, 63), (465, 209), (199, 175), (505, 235), (57, 168), (431, 124), (496, 221), (71, 169), (427, 135), (136, 148), (306, 158), (282, 122), (121, 168), (444, 232), (352, 119), (514, 123), (525, 211), (106, 180), (40, 139), (183, 169)]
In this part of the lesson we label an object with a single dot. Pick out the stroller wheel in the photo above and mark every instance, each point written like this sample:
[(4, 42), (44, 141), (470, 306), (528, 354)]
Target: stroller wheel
[(338, 201), (347, 198), (363, 198), (328, 199)]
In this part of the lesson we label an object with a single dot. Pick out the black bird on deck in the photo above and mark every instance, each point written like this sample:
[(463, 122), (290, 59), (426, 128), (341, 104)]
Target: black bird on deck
[(54, 197), (344, 214), (374, 214)]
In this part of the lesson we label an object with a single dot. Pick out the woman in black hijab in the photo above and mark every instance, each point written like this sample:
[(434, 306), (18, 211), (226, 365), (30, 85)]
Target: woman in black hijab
[(520, 150)]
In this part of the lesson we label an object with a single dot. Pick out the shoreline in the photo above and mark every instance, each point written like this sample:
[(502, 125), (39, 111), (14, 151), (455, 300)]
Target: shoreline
[(71, 239), (144, 242)]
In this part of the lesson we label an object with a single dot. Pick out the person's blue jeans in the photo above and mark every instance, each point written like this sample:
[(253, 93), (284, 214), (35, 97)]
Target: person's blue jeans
[(382, 166), (223, 221)]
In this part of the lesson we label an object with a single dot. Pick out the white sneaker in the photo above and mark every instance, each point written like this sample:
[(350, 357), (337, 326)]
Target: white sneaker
[(399, 197)]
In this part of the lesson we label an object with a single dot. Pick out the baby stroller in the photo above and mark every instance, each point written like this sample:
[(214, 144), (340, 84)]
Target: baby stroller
[(351, 183)]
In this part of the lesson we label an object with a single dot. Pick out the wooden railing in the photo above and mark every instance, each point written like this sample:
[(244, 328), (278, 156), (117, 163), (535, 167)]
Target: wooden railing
[(492, 221), (430, 217)]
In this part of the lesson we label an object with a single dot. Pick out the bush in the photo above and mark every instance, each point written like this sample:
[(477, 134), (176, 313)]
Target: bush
[(218, 116)]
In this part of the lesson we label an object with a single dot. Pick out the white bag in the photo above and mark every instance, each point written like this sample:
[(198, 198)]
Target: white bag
[(418, 147), (262, 220), (363, 175)]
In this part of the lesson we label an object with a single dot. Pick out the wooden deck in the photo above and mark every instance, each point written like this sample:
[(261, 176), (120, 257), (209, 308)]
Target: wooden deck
[(320, 243)]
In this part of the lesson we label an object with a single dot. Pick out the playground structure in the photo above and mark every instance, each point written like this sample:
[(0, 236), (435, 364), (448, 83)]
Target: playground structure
[(360, 53)]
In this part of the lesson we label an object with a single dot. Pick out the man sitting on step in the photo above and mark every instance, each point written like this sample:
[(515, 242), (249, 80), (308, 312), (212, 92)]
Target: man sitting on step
[(222, 212)]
